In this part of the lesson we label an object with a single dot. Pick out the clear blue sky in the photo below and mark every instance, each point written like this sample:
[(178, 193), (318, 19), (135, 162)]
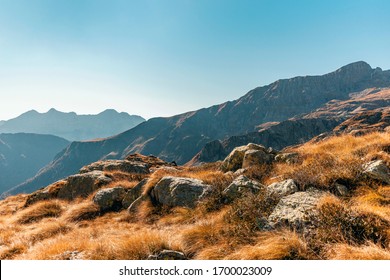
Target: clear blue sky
[(160, 58)]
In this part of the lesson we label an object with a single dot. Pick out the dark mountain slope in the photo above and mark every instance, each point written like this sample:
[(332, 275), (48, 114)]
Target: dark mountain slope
[(23, 154)]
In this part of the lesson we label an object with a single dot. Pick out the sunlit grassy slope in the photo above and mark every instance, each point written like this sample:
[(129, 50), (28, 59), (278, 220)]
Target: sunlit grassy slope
[(356, 226)]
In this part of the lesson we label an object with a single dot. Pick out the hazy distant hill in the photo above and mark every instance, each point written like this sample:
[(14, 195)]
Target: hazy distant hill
[(70, 125), (23, 154), (181, 137)]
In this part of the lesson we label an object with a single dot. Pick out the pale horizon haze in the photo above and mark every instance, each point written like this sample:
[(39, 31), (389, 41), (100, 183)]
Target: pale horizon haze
[(161, 58)]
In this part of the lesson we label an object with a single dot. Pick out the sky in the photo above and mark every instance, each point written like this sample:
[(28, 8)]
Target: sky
[(161, 58)]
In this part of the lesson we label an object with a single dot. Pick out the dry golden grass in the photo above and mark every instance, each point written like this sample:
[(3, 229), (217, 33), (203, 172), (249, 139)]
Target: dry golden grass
[(278, 245), (39, 211), (12, 204), (365, 252), (374, 203), (352, 227), (117, 241), (85, 210), (337, 159)]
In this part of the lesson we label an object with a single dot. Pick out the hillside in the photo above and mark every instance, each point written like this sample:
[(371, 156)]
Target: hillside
[(365, 110), (180, 138), (324, 199), (23, 154), (71, 126)]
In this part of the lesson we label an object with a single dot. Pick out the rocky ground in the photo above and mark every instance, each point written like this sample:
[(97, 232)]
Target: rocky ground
[(326, 199)]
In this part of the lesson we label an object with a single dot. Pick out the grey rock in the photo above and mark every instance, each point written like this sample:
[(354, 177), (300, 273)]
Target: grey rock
[(177, 191), (256, 157), (241, 185), (377, 170), (117, 165), (289, 158), (239, 172), (109, 199), (341, 190), (235, 159), (168, 255), (82, 185), (283, 188), (69, 255), (136, 203), (38, 196), (133, 193), (295, 209)]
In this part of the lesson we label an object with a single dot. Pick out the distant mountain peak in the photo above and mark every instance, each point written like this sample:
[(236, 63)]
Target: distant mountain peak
[(109, 112), (359, 66), (53, 111), (70, 125)]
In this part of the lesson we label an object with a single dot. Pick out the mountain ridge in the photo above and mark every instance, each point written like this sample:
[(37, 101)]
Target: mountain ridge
[(180, 137), (70, 125)]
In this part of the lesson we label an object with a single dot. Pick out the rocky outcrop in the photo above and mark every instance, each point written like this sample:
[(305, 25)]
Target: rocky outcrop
[(256, 157), (366, 122), (245, 156), (136, 203), (281, 189), (289, 158), (341, 190), (295, 209), (168, 255), (358, 103), (109, 199), (79, 185), (177, 191), (151, 161), (279, 136), (133, 193), (82, 185), (117, 165), (239, 186), (377, 170)]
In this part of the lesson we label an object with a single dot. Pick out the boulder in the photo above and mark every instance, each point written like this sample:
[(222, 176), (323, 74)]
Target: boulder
[(377, 170), (109, 199), (49, 192), (117, 165), (295, 209), (239, 186), (235, 159), (133, 193), (82, 185), (168, 255), (38, 196), (256, 157), (341, 190), (239, 172), (281, 189), (136, 203), (177, 191), (289, 158)]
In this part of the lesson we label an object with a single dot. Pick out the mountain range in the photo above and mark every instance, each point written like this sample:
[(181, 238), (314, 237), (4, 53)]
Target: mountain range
[(308, 101), (71, 126)]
